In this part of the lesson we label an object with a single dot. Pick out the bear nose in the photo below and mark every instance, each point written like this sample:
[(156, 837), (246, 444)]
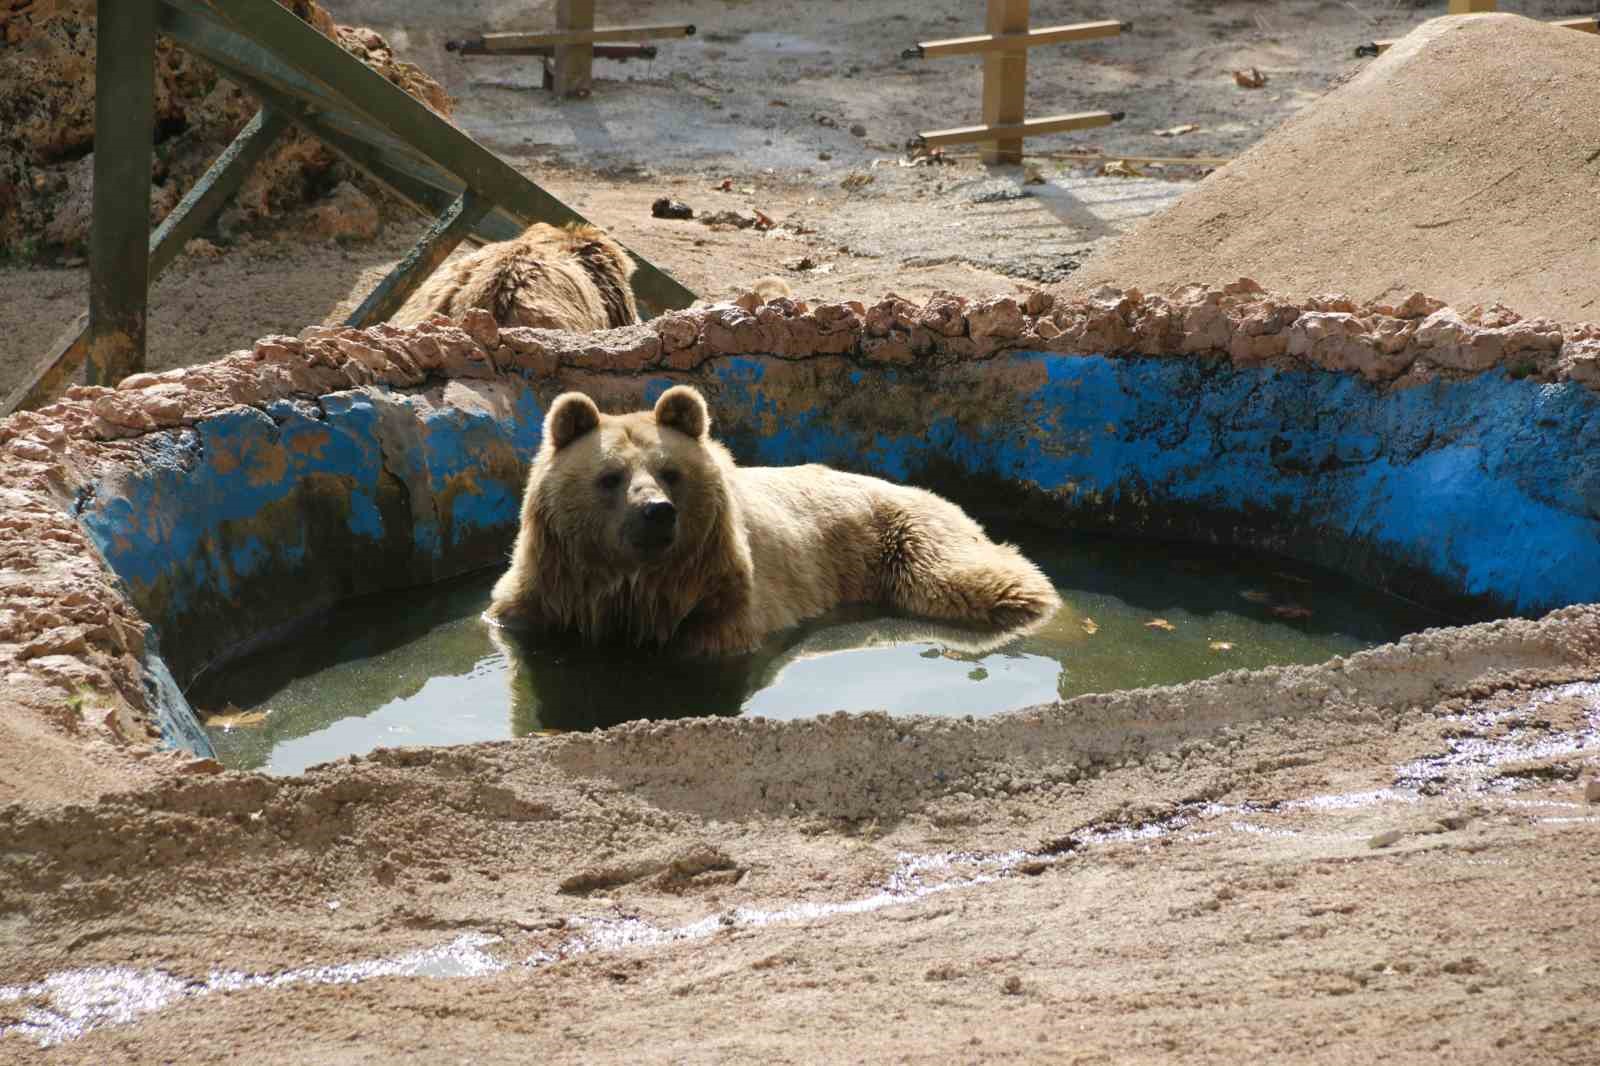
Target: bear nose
[(660, 513)]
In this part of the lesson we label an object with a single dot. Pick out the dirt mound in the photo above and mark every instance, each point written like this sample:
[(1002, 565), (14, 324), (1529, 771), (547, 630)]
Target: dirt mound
[(1461, 163), (47, 125)]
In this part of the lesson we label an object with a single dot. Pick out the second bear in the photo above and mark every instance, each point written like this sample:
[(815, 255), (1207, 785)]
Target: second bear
[(573, 278)]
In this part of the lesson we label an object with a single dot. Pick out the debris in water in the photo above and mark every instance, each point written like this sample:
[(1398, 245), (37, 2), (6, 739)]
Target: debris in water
[(1221, 645), (1090, 626), (1256, 596), (1177, 131), (1291, 611), (1161, 624), (1249, 79)]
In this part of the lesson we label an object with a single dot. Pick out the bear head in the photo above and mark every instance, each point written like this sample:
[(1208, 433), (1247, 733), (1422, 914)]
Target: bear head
[(629, 493)]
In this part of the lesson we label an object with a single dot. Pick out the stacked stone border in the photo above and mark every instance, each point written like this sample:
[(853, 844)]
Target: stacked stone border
[(77, 655)]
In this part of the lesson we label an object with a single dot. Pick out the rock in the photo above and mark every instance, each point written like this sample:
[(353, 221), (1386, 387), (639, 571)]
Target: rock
[(999, 317), (1591, 790), (666, 207), (1012, 986), (1385, 839), (201, 767), (858, 130), (346, 215)]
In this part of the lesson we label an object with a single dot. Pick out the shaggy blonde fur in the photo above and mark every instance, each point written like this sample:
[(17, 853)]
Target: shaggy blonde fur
[(574, 278), (753, 551)]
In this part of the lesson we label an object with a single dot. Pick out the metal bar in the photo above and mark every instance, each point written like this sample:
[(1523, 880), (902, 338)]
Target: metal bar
[(502, 42), (273, 29), (220, 181), (1032, 127), (215, 188), (473, 46), (431, 249), (1004, 42), (1005, 79), (119, 235), (1585, 24), (574, 71), (52, 374)]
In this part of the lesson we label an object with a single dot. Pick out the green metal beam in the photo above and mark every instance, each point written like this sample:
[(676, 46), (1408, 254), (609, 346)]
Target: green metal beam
[(119, 236), (433, 248), (216, 186)]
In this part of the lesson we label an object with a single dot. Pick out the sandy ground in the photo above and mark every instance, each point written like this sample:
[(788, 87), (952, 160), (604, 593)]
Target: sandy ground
[(703, 111), (1390, 860), (1332, 878)]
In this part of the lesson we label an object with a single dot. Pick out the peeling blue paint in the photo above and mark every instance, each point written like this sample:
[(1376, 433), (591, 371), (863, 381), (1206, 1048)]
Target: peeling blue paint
[(1489, 486)]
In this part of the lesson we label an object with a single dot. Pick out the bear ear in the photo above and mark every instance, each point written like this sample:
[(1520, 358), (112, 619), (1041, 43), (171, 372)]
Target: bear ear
[(571, 416), (683, 409)]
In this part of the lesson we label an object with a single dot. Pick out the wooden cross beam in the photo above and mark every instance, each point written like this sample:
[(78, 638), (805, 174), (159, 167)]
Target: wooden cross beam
[(517, 42), (1004, 42)]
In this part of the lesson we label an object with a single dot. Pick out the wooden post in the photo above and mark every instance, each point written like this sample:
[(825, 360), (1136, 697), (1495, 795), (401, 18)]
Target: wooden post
[(1005, 81), (1470, 7), (574, 73), (119, 235)]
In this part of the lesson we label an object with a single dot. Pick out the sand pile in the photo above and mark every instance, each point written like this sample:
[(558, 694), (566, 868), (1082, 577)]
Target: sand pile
[(47, 50), (1462, 163)]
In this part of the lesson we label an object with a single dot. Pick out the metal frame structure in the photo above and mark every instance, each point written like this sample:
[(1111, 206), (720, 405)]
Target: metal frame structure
[(1005, 74), (1584, 24), (302, 79)]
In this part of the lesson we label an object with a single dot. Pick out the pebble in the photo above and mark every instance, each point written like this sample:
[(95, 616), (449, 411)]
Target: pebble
[(1012, 986), (858, 130), (1385, 838)]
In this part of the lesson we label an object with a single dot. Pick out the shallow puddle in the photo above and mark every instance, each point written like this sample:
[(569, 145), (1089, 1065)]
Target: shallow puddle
[(421, 668)]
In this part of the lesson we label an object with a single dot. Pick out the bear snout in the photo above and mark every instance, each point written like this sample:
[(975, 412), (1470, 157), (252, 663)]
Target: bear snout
[(652, 527), (660, 514)]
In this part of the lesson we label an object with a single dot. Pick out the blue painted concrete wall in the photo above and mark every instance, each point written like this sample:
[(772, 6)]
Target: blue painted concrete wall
[(1485, 490)]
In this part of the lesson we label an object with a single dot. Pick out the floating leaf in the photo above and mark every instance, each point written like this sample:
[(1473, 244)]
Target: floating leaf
[(977, 673), (1291, 611), (1256, 596), (231, 717), (1221, 645), (1161, 624), (1090, 626)]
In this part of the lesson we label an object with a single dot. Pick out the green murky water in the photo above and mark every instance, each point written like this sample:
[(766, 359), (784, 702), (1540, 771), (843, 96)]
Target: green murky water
[(421, 668)]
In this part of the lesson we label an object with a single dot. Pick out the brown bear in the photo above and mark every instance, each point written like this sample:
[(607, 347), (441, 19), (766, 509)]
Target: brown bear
[(573, 278), (641, 528)]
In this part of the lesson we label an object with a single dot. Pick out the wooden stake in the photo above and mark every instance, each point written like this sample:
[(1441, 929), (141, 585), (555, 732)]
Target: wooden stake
[(574, 73), (516, 42), (1014, 132), (1470, 7), (990, 42), (119, 235), (1005, 81)]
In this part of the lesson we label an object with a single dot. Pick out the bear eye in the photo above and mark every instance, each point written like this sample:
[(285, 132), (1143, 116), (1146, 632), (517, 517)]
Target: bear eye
[(670, 476), (610, 481)]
